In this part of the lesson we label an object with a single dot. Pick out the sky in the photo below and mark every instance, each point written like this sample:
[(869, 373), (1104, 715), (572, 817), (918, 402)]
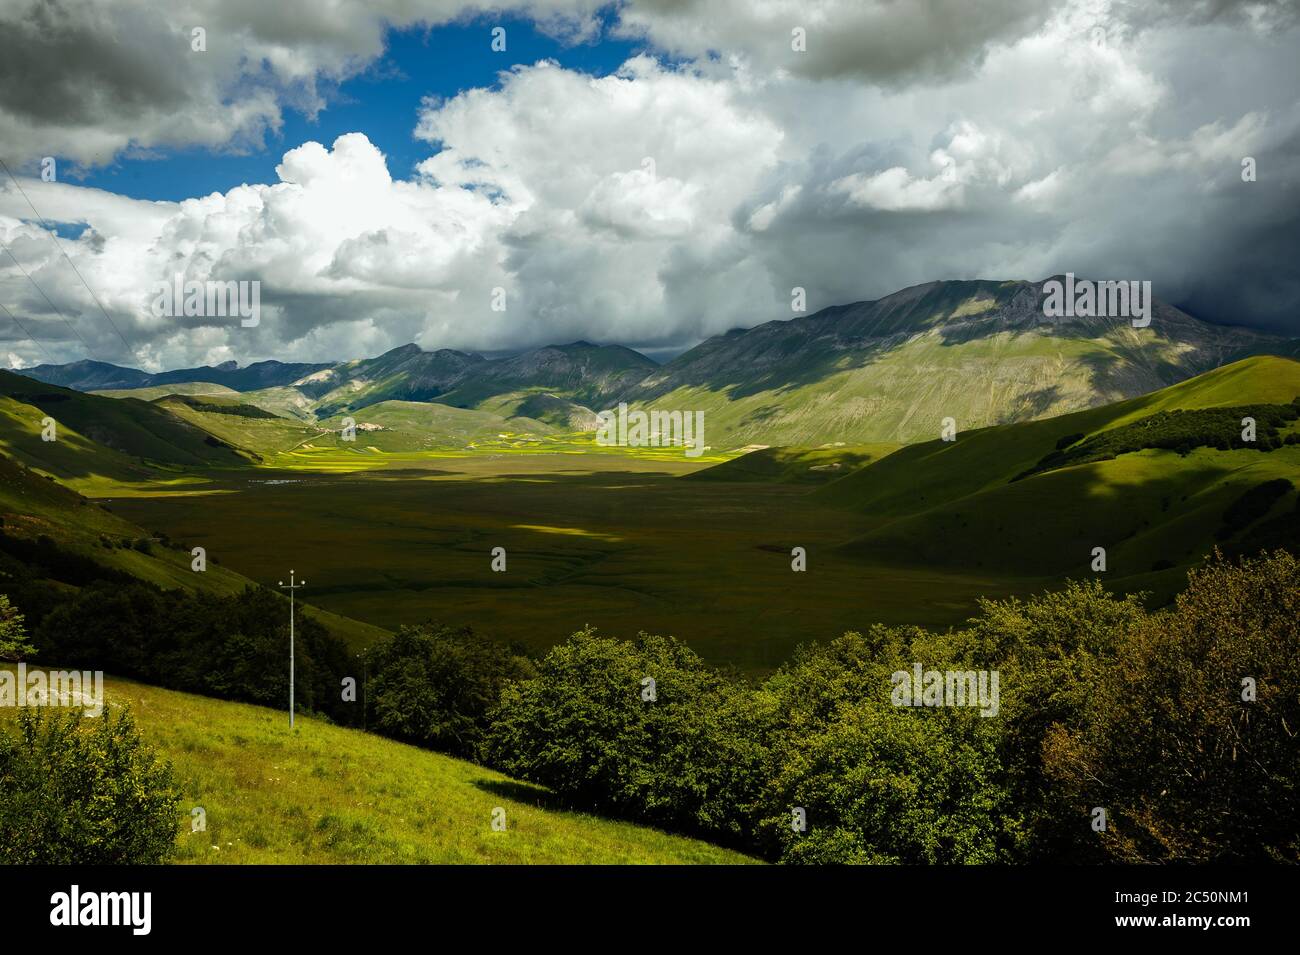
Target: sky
[(648, 173)]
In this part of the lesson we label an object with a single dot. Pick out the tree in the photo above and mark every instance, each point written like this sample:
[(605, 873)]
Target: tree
[(13, 635), (642, 729), (76, 790), (434, 685), (1189, 741)]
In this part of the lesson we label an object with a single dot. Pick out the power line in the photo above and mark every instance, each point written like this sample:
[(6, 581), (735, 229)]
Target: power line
[(55, 236), (45, 350), (57, 311)]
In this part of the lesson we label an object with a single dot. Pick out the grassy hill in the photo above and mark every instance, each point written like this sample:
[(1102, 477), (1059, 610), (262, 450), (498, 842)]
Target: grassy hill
[(795, 465), (137, 429), (325, 794), (542, 406), (417, 425), (262, 433), (153, 392), (1155, 511)]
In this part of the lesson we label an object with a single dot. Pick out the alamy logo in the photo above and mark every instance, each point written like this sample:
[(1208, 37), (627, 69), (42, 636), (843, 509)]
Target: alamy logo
[(919, 687), (1087, 299), (103, 908), (70, 688), (209, 299), (654, 429)]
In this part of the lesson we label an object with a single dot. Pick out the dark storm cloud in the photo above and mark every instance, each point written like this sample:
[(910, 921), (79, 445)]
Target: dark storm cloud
[(70, 63)]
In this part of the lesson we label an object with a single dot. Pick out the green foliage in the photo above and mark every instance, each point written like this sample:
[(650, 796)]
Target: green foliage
[(1189, 769), (1101, 704), (1179, 430), (880, 783), (75, 790), (1051, 650), (14, 644), (434, 685), (233, 647), (689, 759)]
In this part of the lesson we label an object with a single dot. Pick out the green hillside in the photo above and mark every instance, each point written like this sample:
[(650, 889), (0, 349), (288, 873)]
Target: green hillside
[(417, 425), (138, 429), (325, 794), (34, 504), (795, 465), (959, 503), (262, 434), (542, 406), (152, 392), (285, 401)]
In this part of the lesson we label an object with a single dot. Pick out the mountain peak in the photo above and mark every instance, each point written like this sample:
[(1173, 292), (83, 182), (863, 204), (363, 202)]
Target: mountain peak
[(410, 349)]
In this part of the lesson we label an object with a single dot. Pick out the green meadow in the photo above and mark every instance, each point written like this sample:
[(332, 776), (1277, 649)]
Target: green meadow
[(612, 541), (326, 794)]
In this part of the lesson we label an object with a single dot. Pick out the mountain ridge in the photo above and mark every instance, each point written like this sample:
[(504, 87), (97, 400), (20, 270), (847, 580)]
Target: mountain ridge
[(980, 352)]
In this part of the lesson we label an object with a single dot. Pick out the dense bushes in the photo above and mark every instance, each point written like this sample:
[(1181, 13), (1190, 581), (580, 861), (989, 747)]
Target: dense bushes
[(878, 783), (229, 647), (434, 686), (1102, 705), (83, 791), (1189, 739), (683, 751)]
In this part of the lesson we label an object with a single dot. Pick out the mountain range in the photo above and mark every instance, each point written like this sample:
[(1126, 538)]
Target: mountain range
[(979, 352)]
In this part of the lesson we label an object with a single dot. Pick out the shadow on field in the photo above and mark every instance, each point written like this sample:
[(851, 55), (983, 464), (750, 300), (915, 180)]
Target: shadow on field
[(524, 793)]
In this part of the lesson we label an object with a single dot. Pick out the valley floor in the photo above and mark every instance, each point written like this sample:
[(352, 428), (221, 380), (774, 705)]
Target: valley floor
[(606, 540)]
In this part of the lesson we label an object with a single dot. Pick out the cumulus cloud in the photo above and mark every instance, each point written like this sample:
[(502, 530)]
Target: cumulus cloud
[(674, 198)]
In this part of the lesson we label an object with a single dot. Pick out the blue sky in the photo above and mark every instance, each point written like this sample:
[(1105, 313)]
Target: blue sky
[(381, 102)]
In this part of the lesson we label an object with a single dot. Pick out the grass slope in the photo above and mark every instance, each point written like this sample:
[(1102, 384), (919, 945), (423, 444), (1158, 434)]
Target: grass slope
[(326, 794), (796, 465), (129, 426), (153, 392), (950, 504)]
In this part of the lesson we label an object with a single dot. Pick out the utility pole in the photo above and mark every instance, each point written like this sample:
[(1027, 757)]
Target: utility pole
[(291, 587)]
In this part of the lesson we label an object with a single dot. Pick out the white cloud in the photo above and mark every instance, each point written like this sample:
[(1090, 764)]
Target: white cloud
[(664, 203)]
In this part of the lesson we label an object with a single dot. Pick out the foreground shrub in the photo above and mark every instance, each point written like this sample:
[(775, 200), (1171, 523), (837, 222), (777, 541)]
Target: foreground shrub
[(880, 783), (75, 790), (1052, 650), (1187, 769), (887, 785), (14, 644)]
